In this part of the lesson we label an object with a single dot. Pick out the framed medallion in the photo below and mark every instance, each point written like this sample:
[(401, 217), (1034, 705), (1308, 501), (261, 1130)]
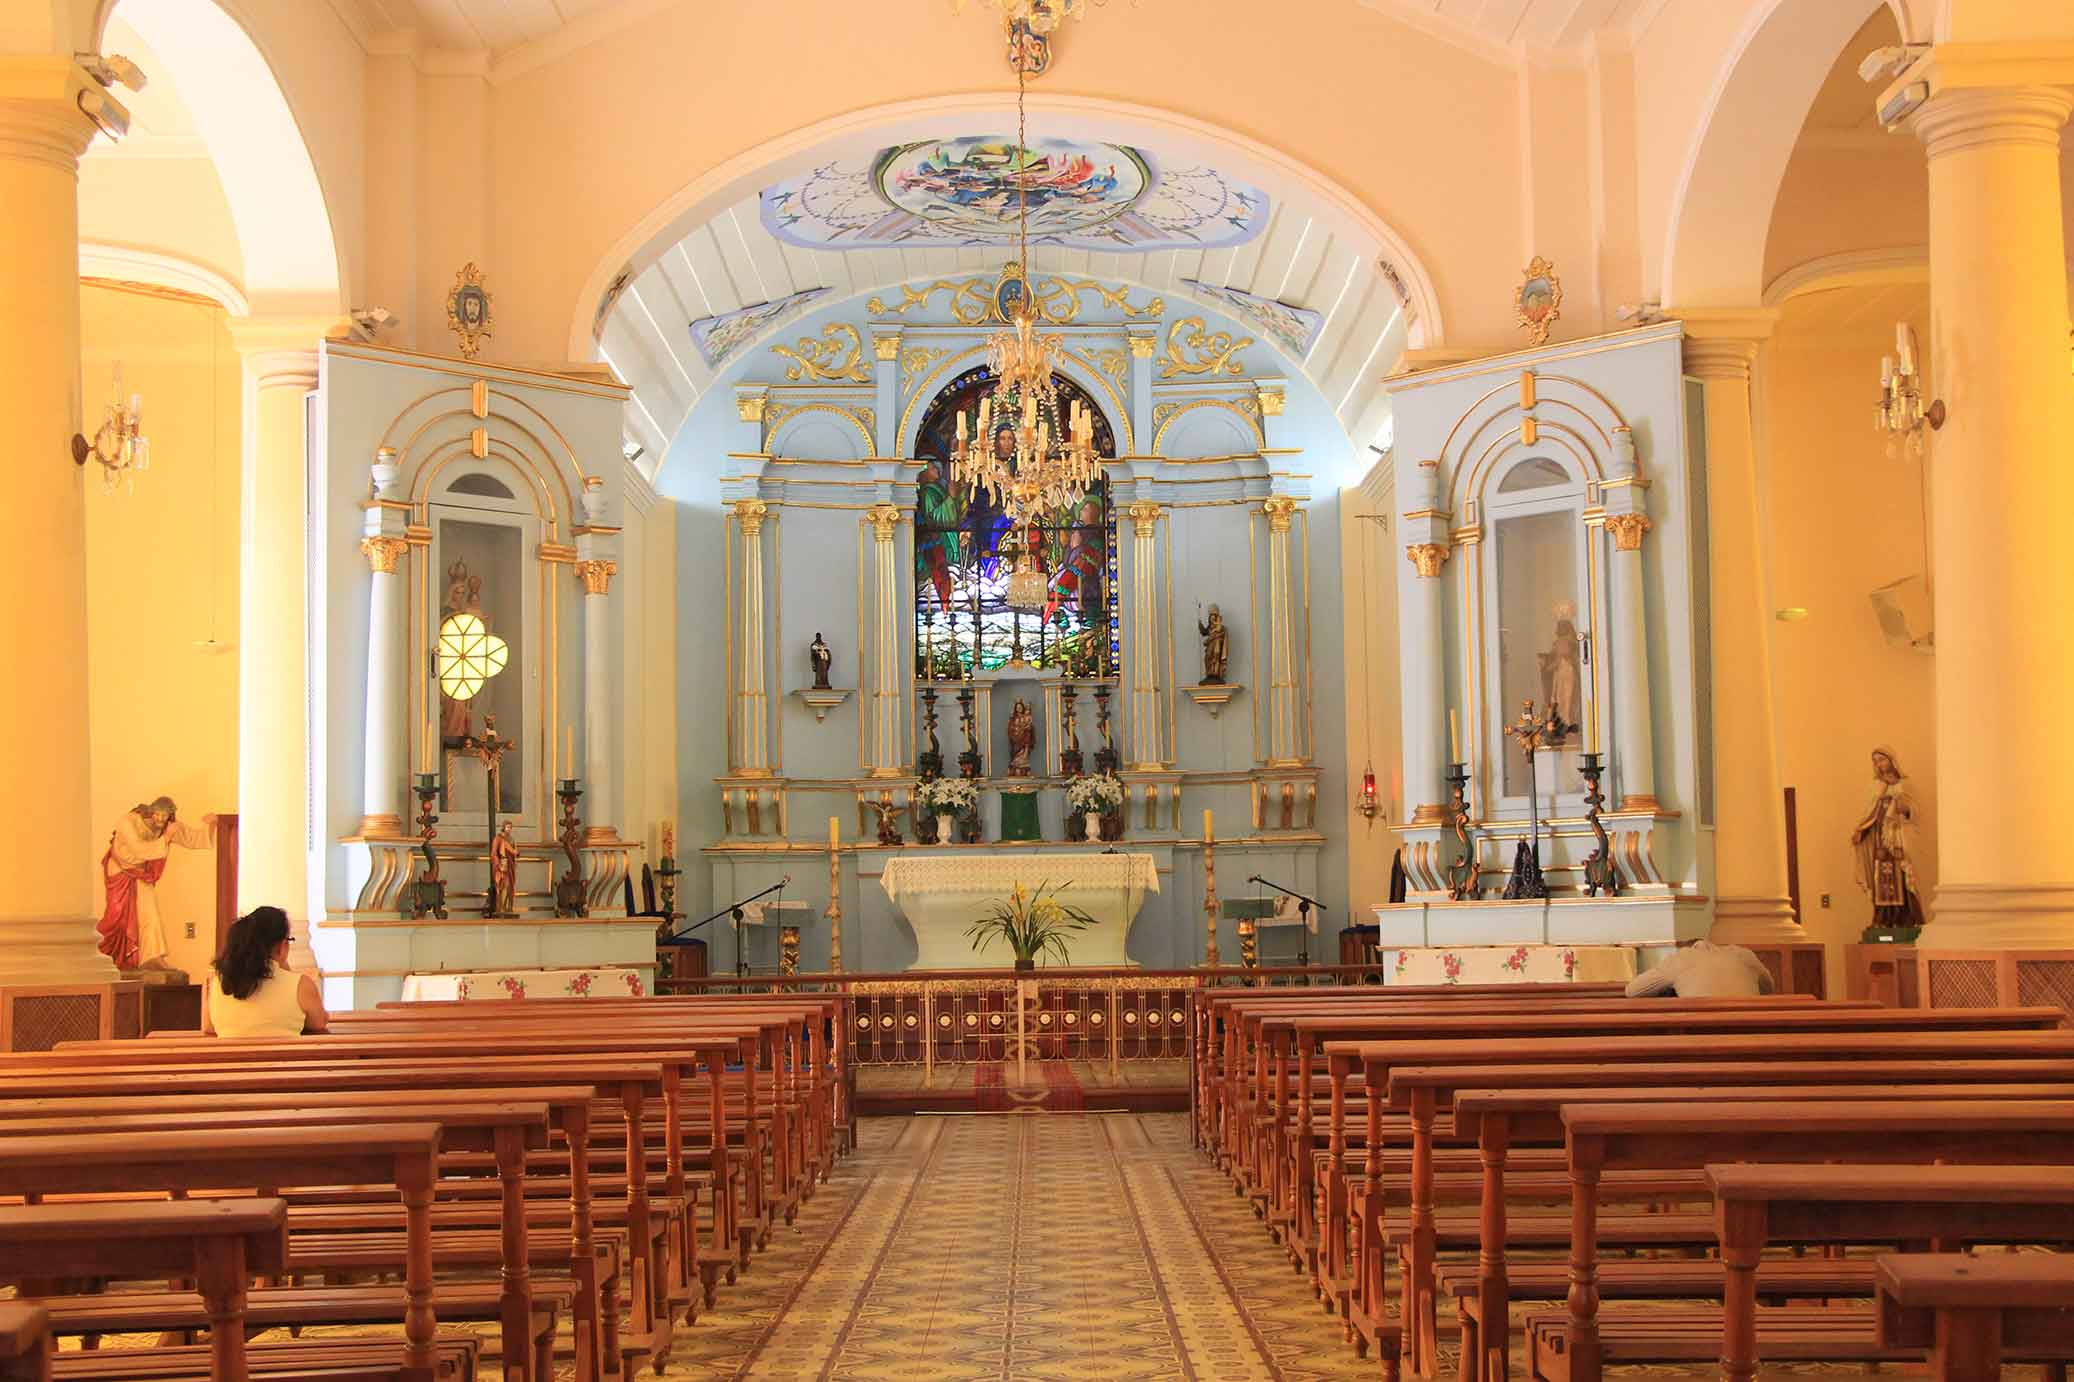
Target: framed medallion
[(1539, 300), (468, 310), (1010, 292)]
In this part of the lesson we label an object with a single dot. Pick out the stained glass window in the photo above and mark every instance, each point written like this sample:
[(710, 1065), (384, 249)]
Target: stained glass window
[(963, 621)]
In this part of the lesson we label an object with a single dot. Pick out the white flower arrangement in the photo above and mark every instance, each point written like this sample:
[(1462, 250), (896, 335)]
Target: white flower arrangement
[(947, 796), (1102, 792)]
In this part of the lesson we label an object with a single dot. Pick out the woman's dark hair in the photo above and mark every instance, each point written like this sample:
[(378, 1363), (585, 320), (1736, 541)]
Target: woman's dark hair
[(247, 956)]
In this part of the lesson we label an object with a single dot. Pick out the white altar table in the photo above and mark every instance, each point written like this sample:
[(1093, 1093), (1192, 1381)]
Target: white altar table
[(941, 895), (481, 985), (1509, 964)]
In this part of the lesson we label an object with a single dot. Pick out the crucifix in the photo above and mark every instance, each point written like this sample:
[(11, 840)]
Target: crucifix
[(1532, 734), (489, 748)]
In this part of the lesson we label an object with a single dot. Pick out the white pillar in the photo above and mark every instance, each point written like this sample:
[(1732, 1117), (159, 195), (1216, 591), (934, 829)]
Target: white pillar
[(885, 691), (275, 810), (2001, 487), (1285, 724), (752, 699), (1421, 665), (1144, 646), (383, 770), (600, 705), (1750, 902), (47, 848), (1634, 739)]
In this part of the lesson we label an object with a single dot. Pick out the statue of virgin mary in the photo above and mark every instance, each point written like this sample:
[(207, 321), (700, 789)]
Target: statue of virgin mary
[(1883, 843)]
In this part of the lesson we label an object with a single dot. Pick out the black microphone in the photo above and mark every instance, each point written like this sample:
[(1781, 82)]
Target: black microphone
[(786, 881)]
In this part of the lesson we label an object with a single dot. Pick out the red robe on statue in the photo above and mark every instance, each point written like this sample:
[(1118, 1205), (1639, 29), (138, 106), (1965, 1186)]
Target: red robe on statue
[(118, 924)]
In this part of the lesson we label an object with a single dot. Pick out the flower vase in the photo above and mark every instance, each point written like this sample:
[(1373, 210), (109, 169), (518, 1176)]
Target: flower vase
[(1094, 825), (946, 826)]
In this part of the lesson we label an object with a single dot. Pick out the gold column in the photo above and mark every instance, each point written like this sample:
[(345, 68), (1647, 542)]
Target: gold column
[(1285, 726), (752, 699), (47, 847), (2001, 490), (1750, 902), (885, 692), (1144, 649)]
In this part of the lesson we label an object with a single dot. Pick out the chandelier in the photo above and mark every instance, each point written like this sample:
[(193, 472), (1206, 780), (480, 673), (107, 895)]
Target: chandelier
[(1016, 446)]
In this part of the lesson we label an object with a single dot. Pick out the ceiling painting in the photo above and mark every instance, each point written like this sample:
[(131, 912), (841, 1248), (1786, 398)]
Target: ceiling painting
[(717, 338), (1294, 329), (968, 190)]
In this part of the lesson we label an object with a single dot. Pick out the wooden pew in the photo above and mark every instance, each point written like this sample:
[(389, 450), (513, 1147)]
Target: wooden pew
[(25, 1342), (1969, 1311), (220, 1243), (1352, 1232), (1640, 1136)]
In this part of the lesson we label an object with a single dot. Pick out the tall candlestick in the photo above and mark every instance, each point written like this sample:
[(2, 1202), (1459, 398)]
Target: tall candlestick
[(1454, 741)]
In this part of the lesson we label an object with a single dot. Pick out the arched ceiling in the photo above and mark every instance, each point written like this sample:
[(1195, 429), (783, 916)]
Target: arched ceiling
[(858, 222)]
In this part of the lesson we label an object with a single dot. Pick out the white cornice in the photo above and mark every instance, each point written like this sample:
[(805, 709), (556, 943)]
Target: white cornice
[(128, 264)]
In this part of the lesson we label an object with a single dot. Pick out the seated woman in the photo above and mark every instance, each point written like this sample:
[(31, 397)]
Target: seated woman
[(253, 992)]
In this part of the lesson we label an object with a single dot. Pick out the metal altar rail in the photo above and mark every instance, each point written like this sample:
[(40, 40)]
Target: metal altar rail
[(966, 1016)]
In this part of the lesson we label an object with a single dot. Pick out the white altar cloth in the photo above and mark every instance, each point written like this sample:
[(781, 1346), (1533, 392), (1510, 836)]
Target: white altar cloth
[(528, 983), (941, 895), (1509, 964)]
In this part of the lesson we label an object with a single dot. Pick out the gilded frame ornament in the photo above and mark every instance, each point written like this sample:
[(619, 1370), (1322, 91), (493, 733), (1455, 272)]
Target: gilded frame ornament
[(1538, 301), (469, 309)]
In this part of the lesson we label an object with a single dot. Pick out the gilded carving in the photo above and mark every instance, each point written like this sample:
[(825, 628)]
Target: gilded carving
[(382, 552), (1427, 558), (1144, 347), (837, 357), (1272, 401), (915, 359), (1192, 348), (749, 406), (750, 514), (1144, 517), (886, 347), (468, 309), (1628, 530), (596, 575), (884, 520), (1113, 363), (1057, 300), (1278, 508)]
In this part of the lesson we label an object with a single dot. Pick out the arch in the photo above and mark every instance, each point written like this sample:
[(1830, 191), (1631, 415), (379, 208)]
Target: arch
[(1722, 208), (1907, 265), (127, 265), (285, 230), (1063, 114)]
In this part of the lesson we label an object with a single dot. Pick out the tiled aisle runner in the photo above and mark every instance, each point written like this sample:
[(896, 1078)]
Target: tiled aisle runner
[(1057, 1247)]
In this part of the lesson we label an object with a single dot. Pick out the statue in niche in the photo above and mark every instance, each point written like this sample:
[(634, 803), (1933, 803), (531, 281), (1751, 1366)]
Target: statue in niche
[(463, 596), (1562, 681), (1882, 844), (1216, 648), (503, 873), (1022, 738), (822, 659), (131, 931)]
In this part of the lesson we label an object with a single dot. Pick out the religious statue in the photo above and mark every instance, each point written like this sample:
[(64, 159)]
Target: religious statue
[(889, 820), (1022, 738), (463, 596), (818, 654), (1216, 648), (1882, 845), (131, 931), (503, 874), (1561, 682)]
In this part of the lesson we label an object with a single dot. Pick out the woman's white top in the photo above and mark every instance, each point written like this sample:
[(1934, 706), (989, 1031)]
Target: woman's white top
[(274, 1009)]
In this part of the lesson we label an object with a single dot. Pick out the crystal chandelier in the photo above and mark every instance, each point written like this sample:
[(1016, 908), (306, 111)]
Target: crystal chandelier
[(1902, 414), (119, 443), (1016, 446)]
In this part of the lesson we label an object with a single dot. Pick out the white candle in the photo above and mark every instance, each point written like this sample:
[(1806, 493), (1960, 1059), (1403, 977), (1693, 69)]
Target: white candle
[(1209, 832), (1454, 741), (835, 832)]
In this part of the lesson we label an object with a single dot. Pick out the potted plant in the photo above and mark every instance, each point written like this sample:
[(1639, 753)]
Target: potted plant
[(1033, 921), (1094, 797), (947, 798)]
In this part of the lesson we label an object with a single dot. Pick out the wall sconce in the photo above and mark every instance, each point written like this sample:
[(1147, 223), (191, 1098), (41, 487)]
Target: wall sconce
[(119, 443), (1365, 801), (1901, 412)]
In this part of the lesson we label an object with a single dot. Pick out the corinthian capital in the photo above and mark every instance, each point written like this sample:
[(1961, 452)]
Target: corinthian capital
[(1427, 558), (596, 576)]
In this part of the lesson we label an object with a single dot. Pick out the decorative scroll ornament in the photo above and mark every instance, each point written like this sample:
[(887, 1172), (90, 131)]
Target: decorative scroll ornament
[(468, 309), (1628, 530), (1192, 348), (838, 357), (1539, 299), (382, 552), (977, 301), (1113, 363), (596, 576), (915, 359), (1427, 558)]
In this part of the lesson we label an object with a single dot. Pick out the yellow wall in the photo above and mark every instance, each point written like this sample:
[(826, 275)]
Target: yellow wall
[(1373, 717), (164, 713), (1845, 519)]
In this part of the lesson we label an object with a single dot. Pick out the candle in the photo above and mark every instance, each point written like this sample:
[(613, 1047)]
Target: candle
[(431, 750), (1886, 370), (1454, 740), (1208, 833), (568, 750), (835, 832)]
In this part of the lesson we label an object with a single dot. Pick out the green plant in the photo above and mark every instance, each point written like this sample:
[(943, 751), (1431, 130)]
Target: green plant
[(1033, 922)]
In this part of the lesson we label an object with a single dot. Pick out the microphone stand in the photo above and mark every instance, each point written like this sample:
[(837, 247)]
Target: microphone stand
[(1303, 912), (734, 910)]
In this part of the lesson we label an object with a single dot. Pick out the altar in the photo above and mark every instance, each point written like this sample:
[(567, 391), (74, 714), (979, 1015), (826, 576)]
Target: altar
[(941, 895)]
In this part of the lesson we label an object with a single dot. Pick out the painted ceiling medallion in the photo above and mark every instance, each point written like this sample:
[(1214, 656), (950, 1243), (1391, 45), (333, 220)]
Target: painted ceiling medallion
[(963, 191)]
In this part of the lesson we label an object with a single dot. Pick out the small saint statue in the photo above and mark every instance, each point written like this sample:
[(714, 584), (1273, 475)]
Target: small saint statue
[(1882, 846), (503, 873), (1022, 738), (1216, 648), (1562, 681), (818, 654)]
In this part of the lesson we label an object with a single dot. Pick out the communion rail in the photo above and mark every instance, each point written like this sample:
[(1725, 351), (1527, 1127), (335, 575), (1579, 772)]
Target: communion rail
[(964, 1016)]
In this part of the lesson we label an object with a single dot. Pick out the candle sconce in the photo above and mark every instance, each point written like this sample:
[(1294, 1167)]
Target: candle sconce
[(1463, 872), (426, 894), (1901, 412), (569, 899), (1600, 877)]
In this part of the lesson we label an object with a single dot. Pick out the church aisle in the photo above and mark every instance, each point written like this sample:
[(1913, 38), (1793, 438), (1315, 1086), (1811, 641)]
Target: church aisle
[(1047, 1247)]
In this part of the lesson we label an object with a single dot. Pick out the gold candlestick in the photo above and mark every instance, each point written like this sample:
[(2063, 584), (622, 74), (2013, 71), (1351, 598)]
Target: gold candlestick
[(835, 897), (1209, 890)]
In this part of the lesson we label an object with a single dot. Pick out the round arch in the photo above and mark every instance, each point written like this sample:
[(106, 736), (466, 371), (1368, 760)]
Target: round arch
[(1721, 212), (1062, 114), (277, 204)]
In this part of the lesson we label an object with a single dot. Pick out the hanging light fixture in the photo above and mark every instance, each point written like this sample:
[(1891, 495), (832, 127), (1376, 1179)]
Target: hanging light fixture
[(1016, 446), (119, 443)]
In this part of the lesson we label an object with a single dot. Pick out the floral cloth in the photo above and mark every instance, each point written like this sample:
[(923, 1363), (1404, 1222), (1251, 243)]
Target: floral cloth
[(484, 985), (1511, 964)]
